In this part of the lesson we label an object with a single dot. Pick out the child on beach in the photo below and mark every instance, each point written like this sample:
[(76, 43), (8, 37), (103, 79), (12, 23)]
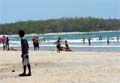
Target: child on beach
[(24, 56)]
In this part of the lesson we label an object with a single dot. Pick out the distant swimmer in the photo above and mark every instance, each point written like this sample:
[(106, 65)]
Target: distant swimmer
[(89, 41), (83, 40)]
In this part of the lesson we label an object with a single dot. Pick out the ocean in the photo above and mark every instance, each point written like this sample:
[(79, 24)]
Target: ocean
[(78, 41)]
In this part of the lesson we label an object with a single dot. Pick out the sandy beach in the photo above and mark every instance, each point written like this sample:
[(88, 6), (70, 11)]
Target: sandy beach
[(64, 67)]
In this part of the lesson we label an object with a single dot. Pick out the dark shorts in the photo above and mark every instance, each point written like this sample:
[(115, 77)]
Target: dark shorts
[(36, 44), (58, 47)]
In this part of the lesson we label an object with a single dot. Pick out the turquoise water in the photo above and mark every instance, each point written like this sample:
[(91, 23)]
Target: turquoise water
[(83, 35), (75, 40)]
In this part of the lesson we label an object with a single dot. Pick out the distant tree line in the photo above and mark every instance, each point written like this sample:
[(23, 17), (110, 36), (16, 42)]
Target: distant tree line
[(62, 25)]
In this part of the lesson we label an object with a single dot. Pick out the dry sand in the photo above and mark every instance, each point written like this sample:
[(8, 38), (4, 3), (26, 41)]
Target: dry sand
[(64, 67)]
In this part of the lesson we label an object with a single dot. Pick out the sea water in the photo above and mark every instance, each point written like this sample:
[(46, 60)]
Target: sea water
[(75, 40)]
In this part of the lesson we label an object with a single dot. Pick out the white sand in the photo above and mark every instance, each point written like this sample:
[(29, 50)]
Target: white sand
[(66, 67)]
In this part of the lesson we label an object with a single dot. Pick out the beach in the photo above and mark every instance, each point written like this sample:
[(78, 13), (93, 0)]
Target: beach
[(64, 67)]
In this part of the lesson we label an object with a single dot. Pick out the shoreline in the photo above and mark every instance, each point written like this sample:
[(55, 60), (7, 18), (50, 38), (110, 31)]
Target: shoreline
[(60, 33), (81, 49)]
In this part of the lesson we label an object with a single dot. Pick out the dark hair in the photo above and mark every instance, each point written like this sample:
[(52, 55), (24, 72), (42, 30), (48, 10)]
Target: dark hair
[(21, 33)]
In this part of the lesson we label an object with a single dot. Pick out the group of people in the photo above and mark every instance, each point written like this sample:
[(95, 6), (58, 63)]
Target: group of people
[(25, 50), (61, 48), (36, 43), (5, 41)]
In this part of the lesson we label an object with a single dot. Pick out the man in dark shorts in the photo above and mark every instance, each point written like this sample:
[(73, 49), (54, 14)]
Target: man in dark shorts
[(7, 43), (24, 56), (58, 45)]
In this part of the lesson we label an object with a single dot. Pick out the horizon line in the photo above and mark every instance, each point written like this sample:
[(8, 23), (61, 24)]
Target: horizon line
[(58, 18)]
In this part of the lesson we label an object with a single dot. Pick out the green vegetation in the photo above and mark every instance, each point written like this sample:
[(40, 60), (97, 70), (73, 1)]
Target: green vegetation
[(62, 25)]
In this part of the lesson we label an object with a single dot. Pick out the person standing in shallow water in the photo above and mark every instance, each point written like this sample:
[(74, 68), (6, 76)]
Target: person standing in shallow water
[(58, 45), (24, 55), (89, 41)]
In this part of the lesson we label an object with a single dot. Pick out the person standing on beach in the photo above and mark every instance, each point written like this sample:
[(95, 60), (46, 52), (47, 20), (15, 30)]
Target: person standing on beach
[(4, 42), (36, 43), (7, 43), (33, 42), (58, 45), (24, 55)]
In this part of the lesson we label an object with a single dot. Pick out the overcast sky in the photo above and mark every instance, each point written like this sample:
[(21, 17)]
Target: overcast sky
[(23, 10)]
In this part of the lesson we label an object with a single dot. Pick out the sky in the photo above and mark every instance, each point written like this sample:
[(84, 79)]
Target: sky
[(24, 10)]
